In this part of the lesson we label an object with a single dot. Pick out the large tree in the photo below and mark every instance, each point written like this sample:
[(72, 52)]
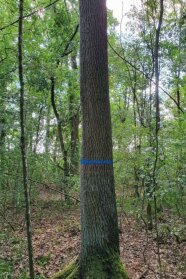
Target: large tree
[(99, 228), (99, 256)]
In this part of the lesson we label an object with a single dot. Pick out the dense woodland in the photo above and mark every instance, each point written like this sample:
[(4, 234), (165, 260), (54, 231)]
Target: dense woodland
[(48, 130)]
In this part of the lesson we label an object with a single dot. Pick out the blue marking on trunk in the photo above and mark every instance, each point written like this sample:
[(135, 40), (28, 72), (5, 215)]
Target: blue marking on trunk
[(95, 162)]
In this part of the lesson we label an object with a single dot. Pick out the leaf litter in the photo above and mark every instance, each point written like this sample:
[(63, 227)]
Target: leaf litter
[(56, 241)]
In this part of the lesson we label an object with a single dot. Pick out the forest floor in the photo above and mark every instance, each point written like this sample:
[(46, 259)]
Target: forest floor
[(56, 241)]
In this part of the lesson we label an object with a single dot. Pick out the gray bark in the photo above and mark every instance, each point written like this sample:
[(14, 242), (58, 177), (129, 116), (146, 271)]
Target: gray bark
[(99, 227)]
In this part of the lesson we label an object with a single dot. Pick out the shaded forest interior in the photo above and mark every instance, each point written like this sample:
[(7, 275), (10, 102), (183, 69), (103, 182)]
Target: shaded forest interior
[(43, 122)]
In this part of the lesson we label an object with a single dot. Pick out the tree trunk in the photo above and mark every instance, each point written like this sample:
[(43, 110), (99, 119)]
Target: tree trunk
[(23, 142), (74, 124), (38, 129), (99, 256), (61, 141), (156, 67), (2, 131), (47, 140)]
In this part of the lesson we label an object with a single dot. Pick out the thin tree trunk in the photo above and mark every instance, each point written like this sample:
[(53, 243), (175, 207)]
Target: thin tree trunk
[(155, 184), (61, 141), (38, 129), (2, 131), (156, 66), (47, 140), (23, 142), (148, 180), (136, 175), (74, 125)]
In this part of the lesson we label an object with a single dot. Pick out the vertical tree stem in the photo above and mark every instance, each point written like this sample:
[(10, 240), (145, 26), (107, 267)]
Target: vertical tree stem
[(157, 103), (156, 66), (23, 141)]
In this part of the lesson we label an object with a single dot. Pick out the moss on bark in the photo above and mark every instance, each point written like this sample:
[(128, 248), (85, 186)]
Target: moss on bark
[(109, 267), (71, 271), (96, 268)]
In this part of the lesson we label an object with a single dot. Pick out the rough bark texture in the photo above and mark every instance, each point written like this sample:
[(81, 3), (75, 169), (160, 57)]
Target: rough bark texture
[(99, 257), (110, 268), (99, 227)]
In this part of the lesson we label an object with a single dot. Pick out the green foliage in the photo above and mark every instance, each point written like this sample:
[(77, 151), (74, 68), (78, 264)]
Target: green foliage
[(24, 275), (6, 269), (43, 260)]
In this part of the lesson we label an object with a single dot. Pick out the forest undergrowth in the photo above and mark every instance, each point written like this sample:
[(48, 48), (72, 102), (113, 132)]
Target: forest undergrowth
[(56, 241)]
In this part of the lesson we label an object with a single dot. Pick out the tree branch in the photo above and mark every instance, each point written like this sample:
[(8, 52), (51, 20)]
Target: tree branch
[(145, 74), (28, 15)]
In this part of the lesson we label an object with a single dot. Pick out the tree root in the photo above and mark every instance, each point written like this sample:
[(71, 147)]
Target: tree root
[(97, 268), (71, 271)]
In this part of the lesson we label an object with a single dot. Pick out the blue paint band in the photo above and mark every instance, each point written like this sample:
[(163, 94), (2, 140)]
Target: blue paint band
[(96, 162)]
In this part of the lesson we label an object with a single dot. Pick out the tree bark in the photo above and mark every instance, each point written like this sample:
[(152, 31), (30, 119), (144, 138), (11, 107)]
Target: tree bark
[(61, 141), (74, 124), (156, 66), (99, 256), (23, 142)]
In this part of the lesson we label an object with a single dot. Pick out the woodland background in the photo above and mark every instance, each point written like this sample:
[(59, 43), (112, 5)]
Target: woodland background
[(149, 136)]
